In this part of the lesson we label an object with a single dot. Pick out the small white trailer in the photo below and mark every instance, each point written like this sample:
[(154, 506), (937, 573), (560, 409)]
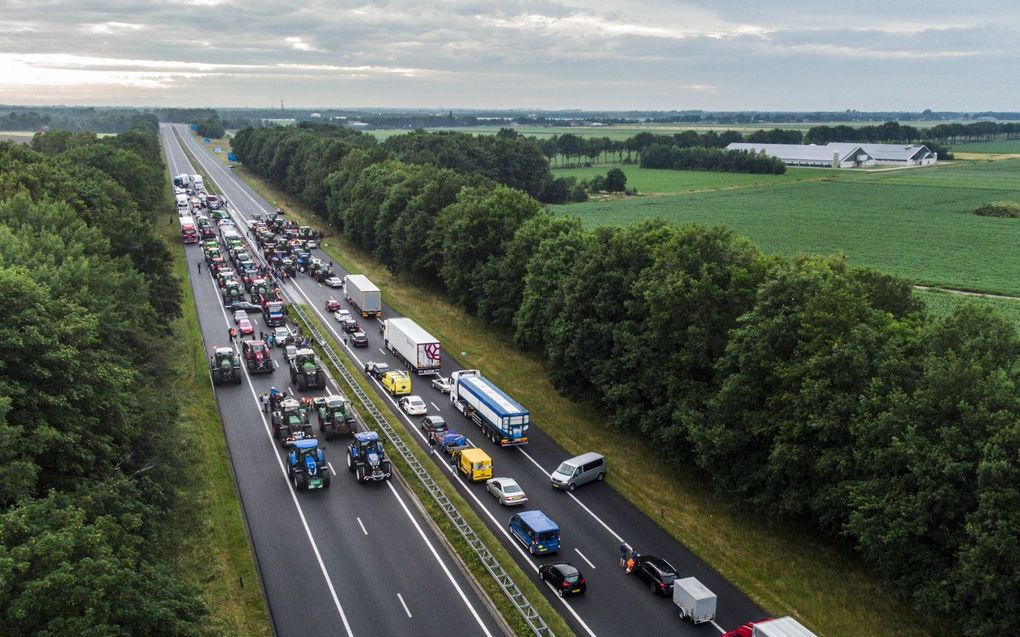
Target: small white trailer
[(695, 602)]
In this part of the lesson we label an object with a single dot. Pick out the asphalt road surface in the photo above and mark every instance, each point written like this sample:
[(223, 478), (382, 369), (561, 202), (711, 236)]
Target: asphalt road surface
[(593, 521), (348, 560)]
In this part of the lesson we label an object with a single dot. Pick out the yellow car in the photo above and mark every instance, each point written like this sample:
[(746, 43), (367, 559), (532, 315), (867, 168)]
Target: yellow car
[(397, 382)]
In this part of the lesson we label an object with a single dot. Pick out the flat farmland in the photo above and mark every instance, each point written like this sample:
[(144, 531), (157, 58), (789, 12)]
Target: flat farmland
[(1004, 146), (916, 224), (656, 180)]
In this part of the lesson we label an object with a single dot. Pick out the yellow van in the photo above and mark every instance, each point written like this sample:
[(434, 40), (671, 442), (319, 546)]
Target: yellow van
[(397, 382), (475, 464)]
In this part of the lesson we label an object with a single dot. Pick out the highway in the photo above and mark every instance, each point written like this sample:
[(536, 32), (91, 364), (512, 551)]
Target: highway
[(348, 560), (593, 521)]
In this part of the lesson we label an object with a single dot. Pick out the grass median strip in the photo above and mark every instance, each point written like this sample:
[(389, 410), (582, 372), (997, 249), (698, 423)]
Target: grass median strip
[(788, 569), (212, 551), (525, 583)]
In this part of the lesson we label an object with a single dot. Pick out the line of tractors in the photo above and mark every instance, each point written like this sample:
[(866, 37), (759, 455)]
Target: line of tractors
[(290, 417)]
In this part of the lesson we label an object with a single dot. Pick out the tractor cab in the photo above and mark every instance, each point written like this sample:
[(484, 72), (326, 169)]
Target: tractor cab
[(224, 366), (290, 423), (335, 417), (306, 464), (367, 459), (256, 356)]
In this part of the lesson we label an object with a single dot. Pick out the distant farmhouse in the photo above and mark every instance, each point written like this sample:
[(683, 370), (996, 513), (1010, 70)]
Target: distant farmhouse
[(844, 154)]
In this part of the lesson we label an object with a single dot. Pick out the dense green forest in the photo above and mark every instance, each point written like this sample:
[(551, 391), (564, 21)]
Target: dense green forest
[(87, 438), (805, 387)]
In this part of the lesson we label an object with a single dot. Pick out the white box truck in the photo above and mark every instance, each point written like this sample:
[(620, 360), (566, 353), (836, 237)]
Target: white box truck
[(196, 183), (695, 602), (363, 294), (419, 350)]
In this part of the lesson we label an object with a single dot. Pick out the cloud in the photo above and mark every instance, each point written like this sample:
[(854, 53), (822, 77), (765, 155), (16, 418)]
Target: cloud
[(298, 44), (494, 53)]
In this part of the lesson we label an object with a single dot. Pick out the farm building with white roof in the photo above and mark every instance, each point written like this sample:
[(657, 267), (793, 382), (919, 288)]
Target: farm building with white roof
[(843, 155)]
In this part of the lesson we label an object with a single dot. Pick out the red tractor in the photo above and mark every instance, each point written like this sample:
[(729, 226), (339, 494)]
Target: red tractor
[(256, 357)]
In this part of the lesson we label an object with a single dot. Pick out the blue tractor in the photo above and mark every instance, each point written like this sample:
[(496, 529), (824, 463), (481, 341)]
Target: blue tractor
[(306, 464), (366, 458)]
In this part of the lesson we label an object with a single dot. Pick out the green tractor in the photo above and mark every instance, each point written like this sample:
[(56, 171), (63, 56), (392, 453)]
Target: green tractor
[(306, 371), (336, 417), (290, 422), (225, 367), (232, 293)]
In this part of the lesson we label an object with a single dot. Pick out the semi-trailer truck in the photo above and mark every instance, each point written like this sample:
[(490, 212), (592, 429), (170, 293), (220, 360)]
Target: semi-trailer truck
[(502, 419), (363, 294), (420, 351)]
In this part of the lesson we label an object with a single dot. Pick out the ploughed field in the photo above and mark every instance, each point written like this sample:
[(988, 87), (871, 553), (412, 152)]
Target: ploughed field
[(916, 223)]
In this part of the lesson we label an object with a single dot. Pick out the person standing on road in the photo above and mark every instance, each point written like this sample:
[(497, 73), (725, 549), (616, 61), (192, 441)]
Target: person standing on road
[(199, 264), (233, 334), (625, 553)]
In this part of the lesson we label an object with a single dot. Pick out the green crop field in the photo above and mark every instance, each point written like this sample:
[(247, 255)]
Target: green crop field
[(918, 224), (629, 130), (655, 180), (997, 146), (939, 304)]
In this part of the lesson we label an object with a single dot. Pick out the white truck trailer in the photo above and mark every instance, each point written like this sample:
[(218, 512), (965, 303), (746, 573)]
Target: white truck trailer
[(419, 350), (363, 294), (502, 419), (695, 602)]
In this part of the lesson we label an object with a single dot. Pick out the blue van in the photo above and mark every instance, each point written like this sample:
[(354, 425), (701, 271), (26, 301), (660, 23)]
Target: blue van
[(536, 531)]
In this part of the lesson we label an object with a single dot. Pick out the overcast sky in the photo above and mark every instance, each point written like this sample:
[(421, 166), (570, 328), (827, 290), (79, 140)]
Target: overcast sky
[(595, 54)]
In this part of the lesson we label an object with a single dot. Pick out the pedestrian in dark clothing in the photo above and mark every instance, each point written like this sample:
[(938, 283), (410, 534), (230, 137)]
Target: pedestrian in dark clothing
[(199, 264), (625, 553)]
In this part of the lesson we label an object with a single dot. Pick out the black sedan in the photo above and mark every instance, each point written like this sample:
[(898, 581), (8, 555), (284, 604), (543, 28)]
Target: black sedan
[(656, 572), (563, 577), (432, 425), (246, 306)]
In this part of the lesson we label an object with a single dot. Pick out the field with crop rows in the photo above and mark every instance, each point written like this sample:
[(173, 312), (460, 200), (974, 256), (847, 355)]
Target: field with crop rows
[(938, 304), (918, 224), (656, 180)]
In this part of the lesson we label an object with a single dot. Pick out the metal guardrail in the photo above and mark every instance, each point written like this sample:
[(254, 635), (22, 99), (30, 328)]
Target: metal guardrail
[(488, 560)]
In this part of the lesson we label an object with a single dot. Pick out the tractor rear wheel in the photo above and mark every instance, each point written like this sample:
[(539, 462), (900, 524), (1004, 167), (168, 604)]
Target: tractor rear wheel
[(326, 478), (300, 483), (359, 474), (350, 463)]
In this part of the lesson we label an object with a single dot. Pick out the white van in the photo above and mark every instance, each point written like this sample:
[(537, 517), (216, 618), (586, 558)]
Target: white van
[(579, 470), (182, 202)]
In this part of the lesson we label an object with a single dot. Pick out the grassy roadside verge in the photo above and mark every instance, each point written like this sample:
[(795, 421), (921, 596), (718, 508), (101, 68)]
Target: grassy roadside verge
[(496, 596), (786, 568), (212, 551)]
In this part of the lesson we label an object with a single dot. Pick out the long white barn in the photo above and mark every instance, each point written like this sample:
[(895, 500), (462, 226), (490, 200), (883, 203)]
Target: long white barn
[(843, 155)]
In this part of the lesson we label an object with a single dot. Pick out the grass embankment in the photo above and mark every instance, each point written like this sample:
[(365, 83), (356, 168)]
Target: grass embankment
[(786, 568), (212, 551), (525, 583), (918, 223)]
